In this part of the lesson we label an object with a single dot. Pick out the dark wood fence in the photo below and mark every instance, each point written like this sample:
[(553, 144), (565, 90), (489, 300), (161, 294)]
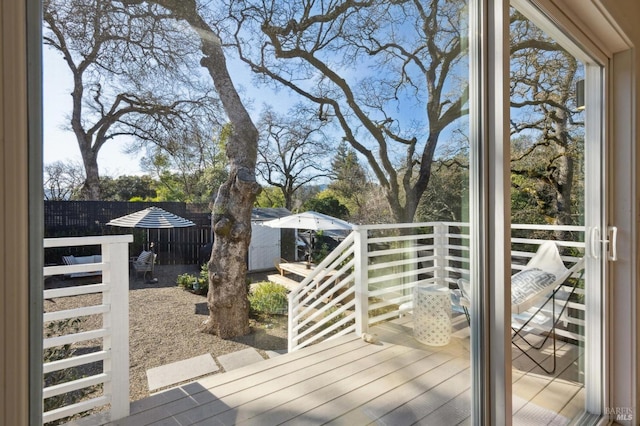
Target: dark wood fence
[(173, 246)]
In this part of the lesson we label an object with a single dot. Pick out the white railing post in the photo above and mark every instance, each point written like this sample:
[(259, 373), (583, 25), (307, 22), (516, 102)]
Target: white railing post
[(412, 253), (292, 322), (440, 252), (116, 278), (361, 271)]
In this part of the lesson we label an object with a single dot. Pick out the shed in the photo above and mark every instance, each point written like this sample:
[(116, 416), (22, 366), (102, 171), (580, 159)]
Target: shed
[(267, 244)]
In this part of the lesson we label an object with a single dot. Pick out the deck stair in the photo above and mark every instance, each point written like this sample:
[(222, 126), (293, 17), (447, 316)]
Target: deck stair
[(289, 283)]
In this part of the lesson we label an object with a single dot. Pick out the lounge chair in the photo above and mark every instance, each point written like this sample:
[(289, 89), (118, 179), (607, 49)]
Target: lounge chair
[(144, 263), (532, 289), (541, 281)]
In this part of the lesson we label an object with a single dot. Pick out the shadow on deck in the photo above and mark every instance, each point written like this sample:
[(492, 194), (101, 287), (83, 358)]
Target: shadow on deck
[(397, 381)]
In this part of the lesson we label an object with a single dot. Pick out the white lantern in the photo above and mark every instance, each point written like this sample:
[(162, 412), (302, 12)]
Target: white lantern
[(432, 315)]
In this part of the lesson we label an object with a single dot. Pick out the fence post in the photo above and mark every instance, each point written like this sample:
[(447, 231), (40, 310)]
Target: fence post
[(440, 252), (360, 254), (116, 277)]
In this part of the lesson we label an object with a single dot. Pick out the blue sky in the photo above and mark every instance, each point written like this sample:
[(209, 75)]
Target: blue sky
[(61, 145)]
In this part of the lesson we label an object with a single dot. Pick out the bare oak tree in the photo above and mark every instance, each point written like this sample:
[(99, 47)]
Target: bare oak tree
[(63, 180), (291, 151), (392, 75), (546, 124), (231, 219), (128, 69)]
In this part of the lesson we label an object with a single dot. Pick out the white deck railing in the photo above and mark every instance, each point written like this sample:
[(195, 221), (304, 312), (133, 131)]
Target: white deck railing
[(362, 282), (113, 333), (372, 273), (310, 319)]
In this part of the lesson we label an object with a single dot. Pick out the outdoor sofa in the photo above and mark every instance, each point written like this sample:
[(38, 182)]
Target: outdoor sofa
[(78, 260)]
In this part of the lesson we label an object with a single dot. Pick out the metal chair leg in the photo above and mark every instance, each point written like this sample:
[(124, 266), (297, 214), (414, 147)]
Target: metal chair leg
[(552, 334)]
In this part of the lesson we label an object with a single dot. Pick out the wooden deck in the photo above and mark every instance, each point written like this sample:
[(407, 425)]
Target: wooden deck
[(347, 381)]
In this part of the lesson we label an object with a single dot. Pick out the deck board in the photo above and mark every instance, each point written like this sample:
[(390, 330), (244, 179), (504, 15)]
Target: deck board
[(300, 388), (536, 396), (353, 394), (207, 393), (429, 401), (346, 381), (382, 401), (329, 394)]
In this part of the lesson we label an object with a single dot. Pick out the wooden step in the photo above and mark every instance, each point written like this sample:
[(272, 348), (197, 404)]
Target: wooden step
[(280, 279)]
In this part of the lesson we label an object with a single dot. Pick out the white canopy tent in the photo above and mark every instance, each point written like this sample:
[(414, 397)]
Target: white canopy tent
[(312, 221)]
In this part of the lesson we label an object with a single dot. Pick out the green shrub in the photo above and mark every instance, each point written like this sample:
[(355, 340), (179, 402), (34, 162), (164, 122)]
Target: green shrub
[(195, 284), (184, 281), (269, 298)]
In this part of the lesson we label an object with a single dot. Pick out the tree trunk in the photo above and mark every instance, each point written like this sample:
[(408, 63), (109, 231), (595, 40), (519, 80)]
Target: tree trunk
[(231, 219), (562, 178), (231, 222), (288, 199), (91, 186)]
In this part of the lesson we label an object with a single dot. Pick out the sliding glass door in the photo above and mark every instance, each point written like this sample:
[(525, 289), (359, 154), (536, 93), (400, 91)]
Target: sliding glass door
[(557, 172), (483, 124)]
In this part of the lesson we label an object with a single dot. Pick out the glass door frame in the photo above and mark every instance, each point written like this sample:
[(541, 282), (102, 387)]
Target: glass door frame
[(490, 212), (490, 224), (595, 62), (595, 218)]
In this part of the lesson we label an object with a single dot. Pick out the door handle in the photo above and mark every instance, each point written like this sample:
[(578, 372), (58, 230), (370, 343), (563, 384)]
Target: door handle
[(594, 240), (612, 243)]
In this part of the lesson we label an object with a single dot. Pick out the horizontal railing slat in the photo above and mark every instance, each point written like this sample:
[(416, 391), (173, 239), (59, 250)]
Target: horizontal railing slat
[(396, 300), (402, 262), (87, 241), (541, 227), (384, 317), (73, 385), (395, 239), (70, 410), (75, 361), (75, 290), (71, 269), (401, 250), (75, 313), (68, 339), (404, 274)]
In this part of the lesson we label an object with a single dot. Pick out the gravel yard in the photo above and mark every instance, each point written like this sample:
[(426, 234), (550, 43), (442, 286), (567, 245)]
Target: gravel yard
[(164, 323)]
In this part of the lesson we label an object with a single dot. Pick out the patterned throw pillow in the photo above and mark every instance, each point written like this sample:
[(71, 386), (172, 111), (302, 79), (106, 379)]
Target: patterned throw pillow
[(69, 260), (528, 283), (144, 257)]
